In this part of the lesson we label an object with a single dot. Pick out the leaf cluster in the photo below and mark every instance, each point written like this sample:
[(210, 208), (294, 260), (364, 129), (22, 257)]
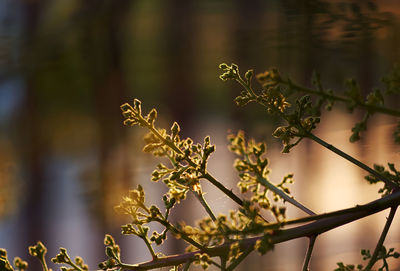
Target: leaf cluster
[(283, 89), (391, 174), (301, 120), (253, 173), (383, 256)]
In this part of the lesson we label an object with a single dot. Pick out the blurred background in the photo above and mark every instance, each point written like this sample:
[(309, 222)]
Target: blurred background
[(67, 65)]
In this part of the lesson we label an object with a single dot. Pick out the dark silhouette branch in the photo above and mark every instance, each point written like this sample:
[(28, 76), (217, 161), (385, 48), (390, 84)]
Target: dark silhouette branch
[(379, 245), (309, 252), (322, 225), (368, 107)]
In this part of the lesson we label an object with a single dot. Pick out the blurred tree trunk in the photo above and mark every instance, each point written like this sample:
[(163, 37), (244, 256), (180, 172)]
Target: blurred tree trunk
[(366, 72), (180, 62), (32, 140), (247, 36), (103, 41), (248, 32)]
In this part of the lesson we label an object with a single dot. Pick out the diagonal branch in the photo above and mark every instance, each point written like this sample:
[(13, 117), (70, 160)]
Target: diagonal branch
[(368, 107), (283, 195), (324, 224), (203, 202), (379, 245), (240, 258), (309, 253), (353, 160)]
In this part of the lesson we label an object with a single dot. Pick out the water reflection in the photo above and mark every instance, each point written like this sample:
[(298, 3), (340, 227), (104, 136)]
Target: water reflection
[(72, 63)]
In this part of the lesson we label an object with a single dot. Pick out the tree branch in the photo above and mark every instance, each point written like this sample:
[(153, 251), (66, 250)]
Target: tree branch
[(368, 107), (283, 195), (353, 160), (309, 253), (240, 258), (324, 224), (379, 245)]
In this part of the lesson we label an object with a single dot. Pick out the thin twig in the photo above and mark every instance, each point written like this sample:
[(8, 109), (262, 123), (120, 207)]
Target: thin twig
[(379, 245), (149, 247), (221, 187), (283, 195), (246, 86), (44, 263), (227, 192), (353, 160), (214, 263), (184, 236), (204, 203), (368, 107), (278, 191), (309, 253)]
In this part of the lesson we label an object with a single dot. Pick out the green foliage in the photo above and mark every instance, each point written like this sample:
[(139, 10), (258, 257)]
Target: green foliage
[(203, 260), (383, 255), (64, 258), (391, 174), (300, 121), (112, 252), (188, 161), (20, 264), (264, 245), (276, 92), (392, 80), (253, 173), (231, 237)]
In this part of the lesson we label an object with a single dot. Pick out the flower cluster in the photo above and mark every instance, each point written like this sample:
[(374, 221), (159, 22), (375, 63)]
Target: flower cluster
[(64, 258), (188, 161), (301, 120), (271, 96), (141, 215), (253, 172), (113, 253), (300, 123)]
